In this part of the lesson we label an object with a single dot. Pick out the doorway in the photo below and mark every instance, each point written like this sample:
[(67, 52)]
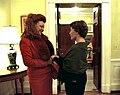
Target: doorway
[(106, 22), (81, 12)]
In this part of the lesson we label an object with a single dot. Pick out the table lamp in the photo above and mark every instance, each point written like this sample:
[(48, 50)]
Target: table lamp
[(9, 35)]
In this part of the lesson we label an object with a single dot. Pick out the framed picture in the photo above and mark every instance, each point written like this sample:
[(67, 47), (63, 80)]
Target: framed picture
[(22, 21), (90, 28)]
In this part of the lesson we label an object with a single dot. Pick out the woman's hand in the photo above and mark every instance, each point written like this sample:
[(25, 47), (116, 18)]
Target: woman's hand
[(53, 56), (50, 61)]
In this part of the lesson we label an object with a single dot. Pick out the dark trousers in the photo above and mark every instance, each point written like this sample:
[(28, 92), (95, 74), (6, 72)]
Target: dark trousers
[(75, 83)]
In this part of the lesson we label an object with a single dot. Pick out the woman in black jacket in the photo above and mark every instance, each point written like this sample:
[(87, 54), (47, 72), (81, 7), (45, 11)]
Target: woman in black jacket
[(75, 63)]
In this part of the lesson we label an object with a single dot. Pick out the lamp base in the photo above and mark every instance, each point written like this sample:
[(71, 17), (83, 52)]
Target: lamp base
[(12, 58), (12, 66)]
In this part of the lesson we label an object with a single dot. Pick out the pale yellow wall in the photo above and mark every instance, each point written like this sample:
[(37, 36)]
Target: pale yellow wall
[(5, 13), (115, 42), (11, 16), (24, 7)]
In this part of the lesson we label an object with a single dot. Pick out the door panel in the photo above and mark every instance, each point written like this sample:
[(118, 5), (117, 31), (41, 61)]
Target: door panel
[(64, 39), (64, 43), (97, 49)]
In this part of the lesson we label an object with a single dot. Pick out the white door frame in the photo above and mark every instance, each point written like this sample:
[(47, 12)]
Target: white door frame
[(106, 36)]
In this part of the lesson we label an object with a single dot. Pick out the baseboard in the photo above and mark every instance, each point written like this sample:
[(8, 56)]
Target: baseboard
[(115, 87)]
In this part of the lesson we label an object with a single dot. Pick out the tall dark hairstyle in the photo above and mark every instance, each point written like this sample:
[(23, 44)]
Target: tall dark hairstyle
[(80, 27), (30, 30)]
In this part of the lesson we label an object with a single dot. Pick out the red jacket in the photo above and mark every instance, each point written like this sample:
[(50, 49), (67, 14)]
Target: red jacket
[(35, 54)]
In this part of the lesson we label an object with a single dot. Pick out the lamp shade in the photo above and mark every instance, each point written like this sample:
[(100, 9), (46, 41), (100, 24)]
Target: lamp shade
[(9, 35)]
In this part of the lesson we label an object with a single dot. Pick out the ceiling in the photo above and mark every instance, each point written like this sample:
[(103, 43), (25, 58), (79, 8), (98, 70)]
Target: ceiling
[(80, 5)]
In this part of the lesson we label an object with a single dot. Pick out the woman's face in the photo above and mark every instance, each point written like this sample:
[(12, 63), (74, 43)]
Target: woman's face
[(73, 34), (40, 26)]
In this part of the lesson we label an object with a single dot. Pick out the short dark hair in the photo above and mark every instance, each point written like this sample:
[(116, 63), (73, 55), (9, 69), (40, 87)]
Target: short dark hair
[(80, 27)]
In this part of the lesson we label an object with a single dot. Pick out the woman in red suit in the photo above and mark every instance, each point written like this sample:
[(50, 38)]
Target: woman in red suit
[(36, 52)]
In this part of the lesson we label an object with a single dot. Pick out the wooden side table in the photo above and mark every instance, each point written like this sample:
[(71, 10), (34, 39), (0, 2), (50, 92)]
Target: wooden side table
[(8, 75)]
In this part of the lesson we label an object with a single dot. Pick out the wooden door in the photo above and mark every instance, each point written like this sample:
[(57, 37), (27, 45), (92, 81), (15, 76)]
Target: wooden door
[(97, 48), (64, 41)]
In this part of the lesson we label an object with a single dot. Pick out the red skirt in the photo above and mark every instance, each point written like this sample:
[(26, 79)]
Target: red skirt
[(41, 85)]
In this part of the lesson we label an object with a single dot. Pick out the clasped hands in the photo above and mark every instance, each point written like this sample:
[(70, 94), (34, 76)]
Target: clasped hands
[(51, 61)]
